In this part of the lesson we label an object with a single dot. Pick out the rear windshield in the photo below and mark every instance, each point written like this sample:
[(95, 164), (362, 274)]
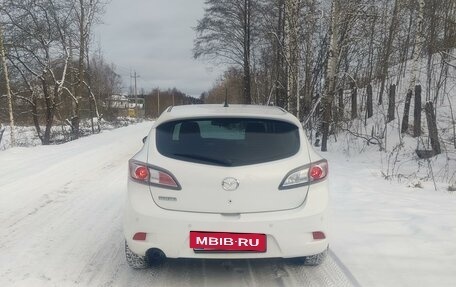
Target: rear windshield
[(227, 141)]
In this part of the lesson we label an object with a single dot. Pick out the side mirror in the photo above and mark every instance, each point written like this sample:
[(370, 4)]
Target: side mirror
[(144, 139)]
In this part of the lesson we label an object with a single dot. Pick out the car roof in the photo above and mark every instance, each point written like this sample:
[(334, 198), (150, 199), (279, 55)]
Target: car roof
[(232, 111)]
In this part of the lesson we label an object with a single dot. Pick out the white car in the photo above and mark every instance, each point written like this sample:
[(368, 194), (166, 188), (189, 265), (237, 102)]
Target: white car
[(226, 183)]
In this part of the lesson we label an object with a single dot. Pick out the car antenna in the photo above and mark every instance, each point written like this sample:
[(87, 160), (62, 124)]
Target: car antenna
[(226, 98)]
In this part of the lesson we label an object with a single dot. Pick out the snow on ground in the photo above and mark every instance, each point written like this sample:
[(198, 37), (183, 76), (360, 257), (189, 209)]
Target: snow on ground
[(61, 213), (389, 234), (26, 136)]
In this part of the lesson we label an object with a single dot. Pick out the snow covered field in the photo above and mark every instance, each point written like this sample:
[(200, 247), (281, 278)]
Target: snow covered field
[(61, 214)]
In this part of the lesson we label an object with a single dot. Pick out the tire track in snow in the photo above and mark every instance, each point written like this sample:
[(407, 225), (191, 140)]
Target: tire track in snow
[(344, 269), (260, 272), (290, 272)]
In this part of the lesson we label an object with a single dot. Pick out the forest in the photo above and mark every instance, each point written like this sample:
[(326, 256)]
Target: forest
[(370, 74), (50, 75), (331, 62)]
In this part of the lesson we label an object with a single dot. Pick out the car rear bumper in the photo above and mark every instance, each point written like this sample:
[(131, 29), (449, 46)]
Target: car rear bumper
[(288, 233)]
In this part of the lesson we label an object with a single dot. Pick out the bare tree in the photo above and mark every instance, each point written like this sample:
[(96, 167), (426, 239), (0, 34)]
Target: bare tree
[(293, 52), (39, 52), (225, 34), (330, 81), (432, 127), (85, 13), (41, 37), (310, 53), (387, 50), (8, 88), (418, 46), (229, 85), (415, 63), (104, 82)]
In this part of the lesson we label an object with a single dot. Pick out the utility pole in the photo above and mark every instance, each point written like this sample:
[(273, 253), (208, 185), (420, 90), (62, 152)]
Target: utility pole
[(158, 103), (135, 76)]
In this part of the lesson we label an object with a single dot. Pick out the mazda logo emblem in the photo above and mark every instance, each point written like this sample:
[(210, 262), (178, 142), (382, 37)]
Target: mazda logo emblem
[(230, 184)]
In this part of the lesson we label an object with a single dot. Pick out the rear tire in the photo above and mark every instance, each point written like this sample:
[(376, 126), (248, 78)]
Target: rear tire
[(311, 260), (134, 260), (315, 260)]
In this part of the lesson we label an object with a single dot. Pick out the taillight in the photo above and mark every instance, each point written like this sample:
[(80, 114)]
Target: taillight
[(162, 178), (305, 175), (139, 171), (318, 171), (143, 173)]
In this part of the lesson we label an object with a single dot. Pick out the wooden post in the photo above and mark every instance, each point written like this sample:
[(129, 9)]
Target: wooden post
[(391, 103), (432, 127), (354, 101), (417, 112), (369, 101), (341, 104), (405, 117)]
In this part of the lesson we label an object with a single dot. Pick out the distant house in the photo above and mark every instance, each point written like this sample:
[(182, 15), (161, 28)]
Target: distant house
[(138, 103), (117, 102)]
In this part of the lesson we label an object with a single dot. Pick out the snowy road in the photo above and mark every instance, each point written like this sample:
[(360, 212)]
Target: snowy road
[(60, 225)]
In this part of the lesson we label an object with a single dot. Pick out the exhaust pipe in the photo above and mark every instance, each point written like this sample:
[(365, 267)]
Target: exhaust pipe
[(155, 256)]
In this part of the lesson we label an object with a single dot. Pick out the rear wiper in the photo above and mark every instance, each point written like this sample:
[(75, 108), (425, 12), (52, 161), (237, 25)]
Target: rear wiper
[(204, 158)]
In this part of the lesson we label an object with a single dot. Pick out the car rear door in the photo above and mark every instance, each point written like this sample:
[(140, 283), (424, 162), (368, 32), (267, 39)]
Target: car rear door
[(228, 165)]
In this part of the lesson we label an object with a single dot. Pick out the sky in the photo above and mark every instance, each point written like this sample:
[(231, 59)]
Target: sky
[(155, 39)]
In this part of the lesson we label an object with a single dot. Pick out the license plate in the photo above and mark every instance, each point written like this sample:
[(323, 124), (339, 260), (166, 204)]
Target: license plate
[(226, 241)]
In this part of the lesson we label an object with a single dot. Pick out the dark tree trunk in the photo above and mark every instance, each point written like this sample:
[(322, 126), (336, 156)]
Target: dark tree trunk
[(327, 104), (331, 74), (50, 110), (432, 127), (2, 130), (387, 51), (391, 102), (280, 96), (246, 95), (369, 101), (341, 104), (75, 120), (354, 101), (417, 112), (247, 11), (405, 117), (36, 121)]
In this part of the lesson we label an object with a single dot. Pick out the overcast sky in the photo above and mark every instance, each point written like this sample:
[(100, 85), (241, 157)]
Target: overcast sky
[(155, 38)]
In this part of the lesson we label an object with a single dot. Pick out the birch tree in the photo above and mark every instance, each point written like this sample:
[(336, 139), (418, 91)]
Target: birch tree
[(310, 55), (414, 69), (271, 34), (387, 50), (418, 45), (330, 79), (293, 53), (8, 88)]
